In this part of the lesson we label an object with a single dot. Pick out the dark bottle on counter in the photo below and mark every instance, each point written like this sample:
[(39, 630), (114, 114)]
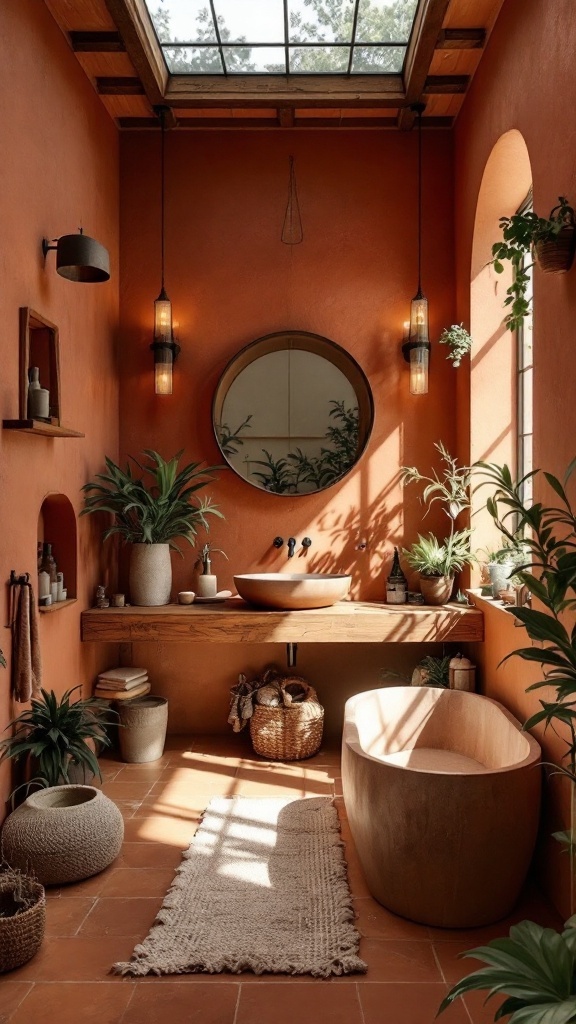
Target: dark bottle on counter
[(48, 564), (396, 584)]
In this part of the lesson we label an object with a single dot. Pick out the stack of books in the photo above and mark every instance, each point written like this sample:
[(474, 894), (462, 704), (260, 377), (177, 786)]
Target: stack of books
[(122, 684)]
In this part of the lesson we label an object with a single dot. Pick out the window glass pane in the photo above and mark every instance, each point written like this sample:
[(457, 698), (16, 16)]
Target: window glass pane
[(251, 21), (381, 21), (242, 60), (378, 60), (316, 21), (186, 21), (525, 424), (193, 60), (319, 59)]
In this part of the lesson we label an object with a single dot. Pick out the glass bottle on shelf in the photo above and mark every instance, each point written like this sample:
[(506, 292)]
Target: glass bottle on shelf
[(396, 584), (48, 564)]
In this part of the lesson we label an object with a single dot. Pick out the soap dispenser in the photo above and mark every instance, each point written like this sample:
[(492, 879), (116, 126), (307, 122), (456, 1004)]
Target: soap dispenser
[(206, 584)]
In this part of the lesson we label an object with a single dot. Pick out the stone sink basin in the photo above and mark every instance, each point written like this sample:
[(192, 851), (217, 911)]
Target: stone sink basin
[(293, 591)]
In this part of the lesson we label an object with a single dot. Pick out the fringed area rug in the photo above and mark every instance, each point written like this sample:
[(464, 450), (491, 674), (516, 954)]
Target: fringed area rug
[(261, 888)]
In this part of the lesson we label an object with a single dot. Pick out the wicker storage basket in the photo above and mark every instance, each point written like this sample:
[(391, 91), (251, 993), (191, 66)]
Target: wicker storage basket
[(287, 734), (21, 934)]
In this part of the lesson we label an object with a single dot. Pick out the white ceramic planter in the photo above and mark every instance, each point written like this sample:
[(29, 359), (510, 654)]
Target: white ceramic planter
[(500, 573), (150, 574)]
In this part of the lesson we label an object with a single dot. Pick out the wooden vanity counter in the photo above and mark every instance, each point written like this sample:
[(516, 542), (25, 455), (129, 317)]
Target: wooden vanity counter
[(235, 622)]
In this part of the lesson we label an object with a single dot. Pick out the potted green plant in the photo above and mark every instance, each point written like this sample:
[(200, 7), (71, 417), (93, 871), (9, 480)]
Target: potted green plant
[(438, 561), (550, 240), (536, 967), (149, 514), (459, 343), (55, 736), (432, 672), (207, 585)]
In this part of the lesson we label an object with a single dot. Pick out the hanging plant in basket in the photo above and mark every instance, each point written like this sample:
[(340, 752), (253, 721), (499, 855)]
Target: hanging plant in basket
[(550, 240)]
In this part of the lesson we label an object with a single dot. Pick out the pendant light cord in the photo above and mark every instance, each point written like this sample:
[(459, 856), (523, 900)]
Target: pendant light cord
[(419, 202), (162, 157)]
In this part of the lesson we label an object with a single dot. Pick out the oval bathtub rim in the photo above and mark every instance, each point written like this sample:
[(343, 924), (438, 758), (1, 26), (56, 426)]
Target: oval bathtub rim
[(532, 760)]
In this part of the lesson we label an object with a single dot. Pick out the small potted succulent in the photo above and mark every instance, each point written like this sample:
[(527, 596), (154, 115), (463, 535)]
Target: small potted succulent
[(550, 240), (459, 343), (432, 672)]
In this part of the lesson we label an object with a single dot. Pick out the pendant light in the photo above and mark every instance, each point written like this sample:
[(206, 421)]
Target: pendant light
[(164, 347), (416, 348)]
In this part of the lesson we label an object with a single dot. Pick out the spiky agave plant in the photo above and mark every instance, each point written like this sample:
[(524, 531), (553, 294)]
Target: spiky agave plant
[(56, 734), (157, 511)]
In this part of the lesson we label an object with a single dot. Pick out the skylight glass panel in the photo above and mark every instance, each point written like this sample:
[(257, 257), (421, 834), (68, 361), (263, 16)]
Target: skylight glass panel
[(258, 60), (193, 60), (314, 60), (182, 21), (377, 60), (315, 21), (250, 21), (383, 21)]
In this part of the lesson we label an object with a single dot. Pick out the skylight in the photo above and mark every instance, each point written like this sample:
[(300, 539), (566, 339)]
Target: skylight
[(283, 37)]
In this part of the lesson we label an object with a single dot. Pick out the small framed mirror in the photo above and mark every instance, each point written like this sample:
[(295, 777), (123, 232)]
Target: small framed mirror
[(292, 413)]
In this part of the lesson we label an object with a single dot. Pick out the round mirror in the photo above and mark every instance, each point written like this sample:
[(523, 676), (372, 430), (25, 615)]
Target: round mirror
[(292, 413)]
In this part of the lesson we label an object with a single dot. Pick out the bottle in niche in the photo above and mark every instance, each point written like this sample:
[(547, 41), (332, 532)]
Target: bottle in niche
[(48, 564), (38, 397), (396, 584)]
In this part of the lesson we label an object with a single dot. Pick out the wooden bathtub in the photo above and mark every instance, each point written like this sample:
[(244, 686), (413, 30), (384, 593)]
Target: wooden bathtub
[(442, 792)]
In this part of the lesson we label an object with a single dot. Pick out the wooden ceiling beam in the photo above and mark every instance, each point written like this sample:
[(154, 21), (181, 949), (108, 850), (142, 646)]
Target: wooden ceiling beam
[(283, 92), (226, 124), (96, 42), (122, 86), (446, 85), (461, 39), (286, 117), (426, 29), (133, 23)]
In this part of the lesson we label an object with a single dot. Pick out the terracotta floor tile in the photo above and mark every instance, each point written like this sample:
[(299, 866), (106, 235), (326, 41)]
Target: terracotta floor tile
[(179, 1004), (11, 995), (479, 1012), (87, 887), (149, 855), (81, 958), (127, 790), (138, 882), (128, 808), (398, 960), (66, 1003), (532, 906), (356, 878), (64, 916), (150, 772), (116, 915), (278, 784), (176, 830), (452, 965), (407, 1004), (262, 1004), (232, 745), (375, 922), (196, 768)]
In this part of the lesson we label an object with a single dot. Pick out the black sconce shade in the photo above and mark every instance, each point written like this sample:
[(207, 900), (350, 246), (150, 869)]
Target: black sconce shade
[(80, 258)]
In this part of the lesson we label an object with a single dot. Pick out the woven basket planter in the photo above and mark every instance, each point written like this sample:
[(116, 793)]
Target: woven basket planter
[(142, 731), (555, 255), (287, 734), (63, 834), (21, 934)]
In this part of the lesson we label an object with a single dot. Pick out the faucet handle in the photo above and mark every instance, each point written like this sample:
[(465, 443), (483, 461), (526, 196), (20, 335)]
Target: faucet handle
[(278, 542), (306, 543)]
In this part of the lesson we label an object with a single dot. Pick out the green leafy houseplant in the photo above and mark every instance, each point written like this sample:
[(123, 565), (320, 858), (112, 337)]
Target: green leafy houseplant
[(56, 734), (526, 234), (536, 967), (431, 557), (152, 511), (459, 342), (433, 672)]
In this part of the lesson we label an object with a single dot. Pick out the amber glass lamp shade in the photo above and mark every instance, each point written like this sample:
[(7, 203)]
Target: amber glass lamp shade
[(163, 318)]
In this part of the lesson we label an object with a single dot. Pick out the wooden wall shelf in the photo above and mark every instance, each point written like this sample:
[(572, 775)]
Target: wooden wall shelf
[(237, 622), (40, 427), (57, 606)]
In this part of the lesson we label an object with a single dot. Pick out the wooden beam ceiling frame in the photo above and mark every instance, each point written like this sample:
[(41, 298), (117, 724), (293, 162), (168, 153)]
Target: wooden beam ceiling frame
[(96, 42), (425, 31), (283, 91), (119, 86), (133, 23), (446, 85), (265, 124), (286, 117), (461, 39)]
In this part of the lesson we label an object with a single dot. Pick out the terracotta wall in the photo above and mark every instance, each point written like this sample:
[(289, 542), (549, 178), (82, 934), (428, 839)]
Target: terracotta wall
[(510, 93), (59, 169), (232, 280)]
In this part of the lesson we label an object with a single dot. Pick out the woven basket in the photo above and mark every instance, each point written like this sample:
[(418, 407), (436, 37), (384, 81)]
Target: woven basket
[(287, 734), (555, 255), (22, 934)]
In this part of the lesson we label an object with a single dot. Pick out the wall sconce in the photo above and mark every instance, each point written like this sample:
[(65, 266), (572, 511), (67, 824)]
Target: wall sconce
[(79, 257), (164, 347), (416, 346)]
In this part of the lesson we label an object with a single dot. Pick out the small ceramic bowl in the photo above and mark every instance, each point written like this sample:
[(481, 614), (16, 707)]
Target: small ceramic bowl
[(186, 597)]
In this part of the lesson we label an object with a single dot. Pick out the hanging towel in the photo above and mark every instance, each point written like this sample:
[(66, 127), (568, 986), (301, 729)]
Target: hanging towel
[(26, 661)]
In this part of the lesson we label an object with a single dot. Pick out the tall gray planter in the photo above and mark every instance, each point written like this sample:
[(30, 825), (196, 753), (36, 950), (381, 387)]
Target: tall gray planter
[(142, 731), (150, 574)]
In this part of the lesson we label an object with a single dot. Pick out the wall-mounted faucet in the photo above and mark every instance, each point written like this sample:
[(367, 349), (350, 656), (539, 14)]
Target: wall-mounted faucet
[(278, 542), (291, 546)]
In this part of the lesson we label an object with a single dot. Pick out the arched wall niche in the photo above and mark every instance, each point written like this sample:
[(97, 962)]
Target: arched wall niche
[(57, 526), (505, 184)]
